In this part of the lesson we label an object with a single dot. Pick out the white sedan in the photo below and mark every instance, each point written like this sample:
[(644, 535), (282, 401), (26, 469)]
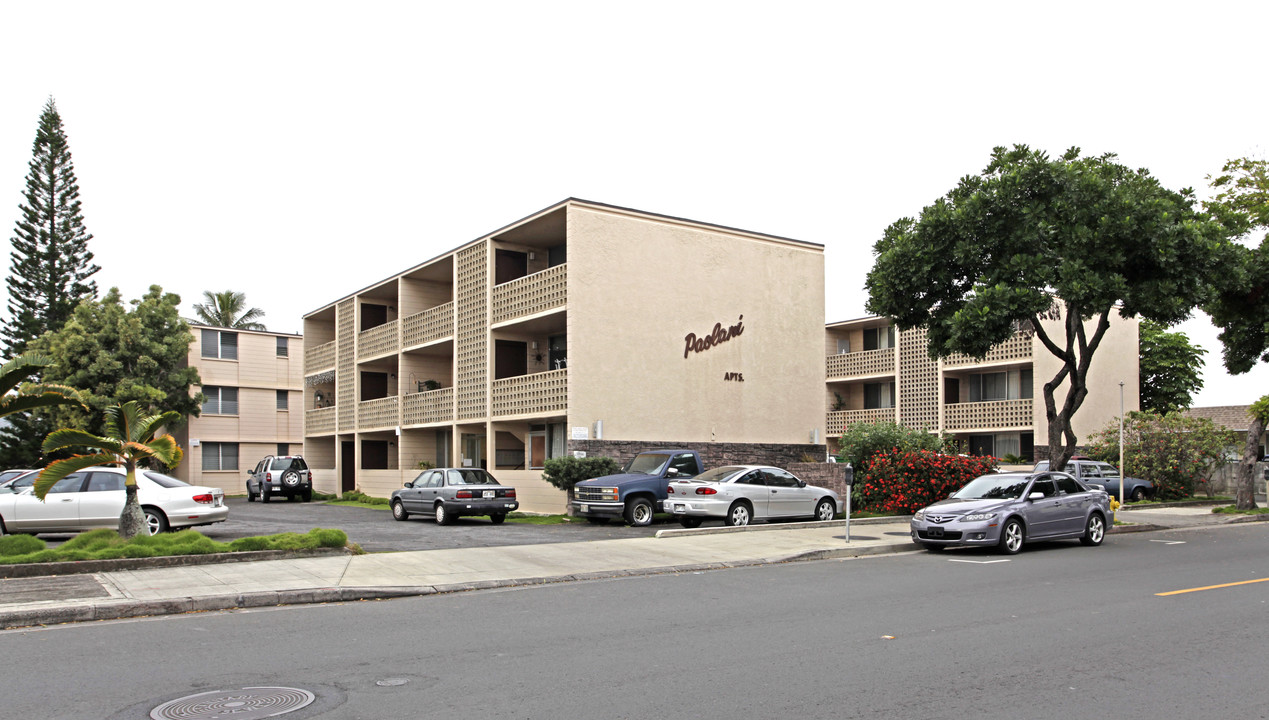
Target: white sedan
[(741, 493), (94, 498)]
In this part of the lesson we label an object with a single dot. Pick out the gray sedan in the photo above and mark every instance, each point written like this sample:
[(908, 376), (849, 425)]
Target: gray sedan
[(1010, 509), (448, 493), (740, 493)]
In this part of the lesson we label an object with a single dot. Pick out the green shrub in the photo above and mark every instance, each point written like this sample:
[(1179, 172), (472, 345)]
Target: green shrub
[(899, 482), (249, 544), (11, 545), (565, 472), (861, 441), (329, 538), (360, 497), (1174, 452)]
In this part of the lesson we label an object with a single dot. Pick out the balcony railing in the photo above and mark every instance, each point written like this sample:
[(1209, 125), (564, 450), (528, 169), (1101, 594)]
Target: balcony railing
[(992, 415), (381, 412), (318, 358), (1016, 348), (535, 394), (839, 420), (379, 340), (432, 406), (320, 421), (868, 362), (531, 294), (427, 326)]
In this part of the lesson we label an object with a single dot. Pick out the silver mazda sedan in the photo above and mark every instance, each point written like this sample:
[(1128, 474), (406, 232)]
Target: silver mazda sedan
[(1010, 509)]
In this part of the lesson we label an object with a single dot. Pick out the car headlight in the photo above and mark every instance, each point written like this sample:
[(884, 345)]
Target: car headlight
[(919, 514), (977, 517)]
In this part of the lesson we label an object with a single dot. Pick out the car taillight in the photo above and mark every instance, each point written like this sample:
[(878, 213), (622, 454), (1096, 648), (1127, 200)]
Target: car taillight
[(511, 492), (268, 477), (203, 498), (706, 491), (463, 494), (669, 489)]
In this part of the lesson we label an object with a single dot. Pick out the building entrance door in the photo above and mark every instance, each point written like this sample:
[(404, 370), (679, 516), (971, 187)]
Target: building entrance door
[(347, 466), (537, 450), (474, 450)]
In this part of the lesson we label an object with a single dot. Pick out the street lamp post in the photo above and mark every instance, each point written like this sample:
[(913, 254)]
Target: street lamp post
[(1122, 470)]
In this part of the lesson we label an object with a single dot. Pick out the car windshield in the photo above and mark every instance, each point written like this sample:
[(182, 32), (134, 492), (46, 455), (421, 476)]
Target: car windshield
[(474, 477), (166, 481), (647, 464), (718, 474), (994, 487)]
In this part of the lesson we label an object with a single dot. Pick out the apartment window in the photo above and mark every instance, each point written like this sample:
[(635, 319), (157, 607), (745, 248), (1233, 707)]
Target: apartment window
[(220, 401), (220, 456), (283, 400), (284, 449), (878, 395), (219, 344), (1010, 385), (843, 346), (879, 338), (282, 347)]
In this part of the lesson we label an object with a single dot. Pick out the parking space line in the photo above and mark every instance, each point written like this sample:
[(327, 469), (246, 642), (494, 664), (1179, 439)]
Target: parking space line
[(978, 562), (1211, 587)]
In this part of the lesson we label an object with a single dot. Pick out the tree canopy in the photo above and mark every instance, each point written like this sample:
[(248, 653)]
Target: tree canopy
[(1171, 368), (228, 309), (1031, 239), (114, 355), (1240, 307), (50, 265)]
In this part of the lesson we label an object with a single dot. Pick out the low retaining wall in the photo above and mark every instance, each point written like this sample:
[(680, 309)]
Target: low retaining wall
[(712, 454)]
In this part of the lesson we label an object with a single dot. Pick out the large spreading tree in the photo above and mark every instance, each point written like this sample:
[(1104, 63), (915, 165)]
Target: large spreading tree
[(115, 354), (51, 267), (1056, 245), (1171, 369)]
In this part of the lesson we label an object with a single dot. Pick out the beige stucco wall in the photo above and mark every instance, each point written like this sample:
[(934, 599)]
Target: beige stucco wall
[(1115, 361), (628, 368)]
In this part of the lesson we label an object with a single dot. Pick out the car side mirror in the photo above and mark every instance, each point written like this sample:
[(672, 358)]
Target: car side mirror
[(801, 483), (409, 483), (1036, 496), (672, 472)]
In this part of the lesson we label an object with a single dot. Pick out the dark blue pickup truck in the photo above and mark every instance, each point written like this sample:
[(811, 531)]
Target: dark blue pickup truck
[(638, 491)]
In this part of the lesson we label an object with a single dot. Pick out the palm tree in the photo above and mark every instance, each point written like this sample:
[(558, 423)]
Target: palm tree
[(129, 441), (17, 396), (228, 309)]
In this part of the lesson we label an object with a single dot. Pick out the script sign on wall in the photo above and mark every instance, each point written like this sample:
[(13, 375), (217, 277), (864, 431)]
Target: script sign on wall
[(718, 335)]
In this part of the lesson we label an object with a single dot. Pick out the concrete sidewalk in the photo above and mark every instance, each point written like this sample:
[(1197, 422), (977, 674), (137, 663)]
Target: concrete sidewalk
[(156, 591)]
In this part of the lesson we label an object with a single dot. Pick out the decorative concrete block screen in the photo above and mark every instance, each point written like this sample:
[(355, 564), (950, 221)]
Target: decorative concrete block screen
[(378, 341), (473, 325), (531, 294), (995, 415), (531, 394), (345, 364), (319, 357), (379, 413), (428, 326), (868, 362), (432, 406)]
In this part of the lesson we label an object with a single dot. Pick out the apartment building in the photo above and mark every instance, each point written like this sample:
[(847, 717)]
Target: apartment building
[(254, 383), (991, 406), (583, 328)]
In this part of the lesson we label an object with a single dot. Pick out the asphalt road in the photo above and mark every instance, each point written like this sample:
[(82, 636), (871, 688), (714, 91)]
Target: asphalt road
[(1058, 631)]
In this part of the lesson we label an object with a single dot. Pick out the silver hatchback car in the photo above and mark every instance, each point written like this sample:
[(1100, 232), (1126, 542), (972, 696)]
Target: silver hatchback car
[(1009, 509)]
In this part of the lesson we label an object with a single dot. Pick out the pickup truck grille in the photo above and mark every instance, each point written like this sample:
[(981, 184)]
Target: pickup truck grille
[(594, 494)]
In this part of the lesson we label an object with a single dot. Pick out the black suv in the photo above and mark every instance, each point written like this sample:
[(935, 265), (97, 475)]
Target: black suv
[(280, 475)]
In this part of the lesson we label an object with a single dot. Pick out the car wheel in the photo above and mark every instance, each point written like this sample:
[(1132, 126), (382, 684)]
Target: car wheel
[(399, 511), (1138, 495), (251, 497), (291, 497), (497, 518), (443, 516), (308, 495), (738, 516), (155, 521), (291, 479), (639, 512), (597, 520), (825, 510), (690, 522), (264, 494), (1094, 531), (1012, 536)]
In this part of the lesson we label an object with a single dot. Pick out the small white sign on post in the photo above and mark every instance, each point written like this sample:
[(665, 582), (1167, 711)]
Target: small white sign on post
[(581, 433), (579, 454)]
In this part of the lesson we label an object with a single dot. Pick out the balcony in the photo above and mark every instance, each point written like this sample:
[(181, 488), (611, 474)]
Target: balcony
[(1015, 349), (379, 340), (378, 413), (320, 421), (839, 420), (992, 415), (536, 394), (428, 326), (530, 295), (860, 364), (432, 406), (319, 357)]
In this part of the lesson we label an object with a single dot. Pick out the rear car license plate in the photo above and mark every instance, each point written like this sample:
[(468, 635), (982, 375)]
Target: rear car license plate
[(680, 507), (488, 494)]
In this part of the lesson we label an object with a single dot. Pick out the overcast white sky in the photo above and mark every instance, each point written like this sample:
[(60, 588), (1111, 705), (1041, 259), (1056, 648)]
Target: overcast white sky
[(233, 145)]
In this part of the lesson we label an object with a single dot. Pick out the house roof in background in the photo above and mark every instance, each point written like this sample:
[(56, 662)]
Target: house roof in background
[(1230, 417)]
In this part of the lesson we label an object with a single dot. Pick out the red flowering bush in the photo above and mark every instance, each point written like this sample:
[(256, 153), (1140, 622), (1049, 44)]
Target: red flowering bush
[(901, 482)]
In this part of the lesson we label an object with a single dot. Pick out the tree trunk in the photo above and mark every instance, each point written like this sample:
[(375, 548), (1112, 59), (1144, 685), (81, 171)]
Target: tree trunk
[(132, 519), (1246, 498)]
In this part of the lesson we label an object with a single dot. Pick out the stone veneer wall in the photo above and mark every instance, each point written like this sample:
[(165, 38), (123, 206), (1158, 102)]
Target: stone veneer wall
[(712, 454)]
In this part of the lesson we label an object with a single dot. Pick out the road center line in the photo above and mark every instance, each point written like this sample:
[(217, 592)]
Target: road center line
[(1211, 587)]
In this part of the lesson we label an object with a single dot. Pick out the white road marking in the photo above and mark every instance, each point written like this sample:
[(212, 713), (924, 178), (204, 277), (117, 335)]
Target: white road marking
[(978, 562), (1170, 542)]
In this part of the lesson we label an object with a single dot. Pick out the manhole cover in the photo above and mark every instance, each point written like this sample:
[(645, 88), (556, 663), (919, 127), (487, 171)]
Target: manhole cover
[(245, 704)]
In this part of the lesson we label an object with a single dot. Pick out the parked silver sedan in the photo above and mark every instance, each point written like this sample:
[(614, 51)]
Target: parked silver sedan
[(739, 494), (1007, 510), (94, 498)]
